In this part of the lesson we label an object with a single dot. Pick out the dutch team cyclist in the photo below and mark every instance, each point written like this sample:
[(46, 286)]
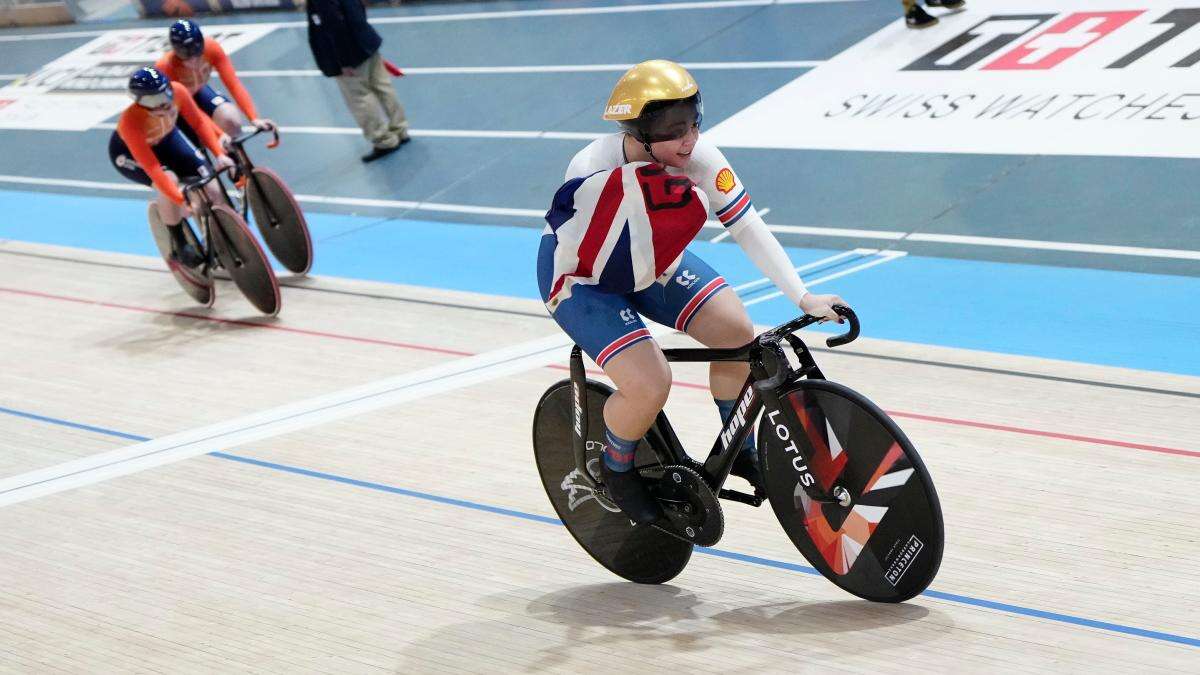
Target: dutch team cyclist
[(149, 148), (191, 62), (614, 249)]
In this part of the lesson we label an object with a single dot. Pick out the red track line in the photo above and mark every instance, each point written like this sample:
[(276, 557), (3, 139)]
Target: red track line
[(688, 385), (237, 322), (1045, 434)]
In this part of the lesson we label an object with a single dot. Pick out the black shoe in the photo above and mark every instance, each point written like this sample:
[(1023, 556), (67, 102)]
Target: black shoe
[(376, 153), (948, 4), (187, 254), (917, 17), (627, 490), (746, 466)]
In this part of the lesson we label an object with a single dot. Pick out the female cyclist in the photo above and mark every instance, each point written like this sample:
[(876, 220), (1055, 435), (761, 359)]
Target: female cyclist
[(614, 248), (191, 62), (149, 148)]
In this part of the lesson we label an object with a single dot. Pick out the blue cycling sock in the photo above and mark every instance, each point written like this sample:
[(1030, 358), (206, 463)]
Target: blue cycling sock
[(618, 453), (726, 407)]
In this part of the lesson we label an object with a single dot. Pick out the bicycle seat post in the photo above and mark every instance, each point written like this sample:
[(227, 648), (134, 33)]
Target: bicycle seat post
[(580, 415)]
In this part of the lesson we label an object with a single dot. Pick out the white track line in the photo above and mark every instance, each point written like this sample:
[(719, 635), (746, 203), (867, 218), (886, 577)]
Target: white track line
[(431, 133), (885, 256), (582, 68), (750, 285), (284, 419), (1031, 244), (1036, 244), (477, 16)]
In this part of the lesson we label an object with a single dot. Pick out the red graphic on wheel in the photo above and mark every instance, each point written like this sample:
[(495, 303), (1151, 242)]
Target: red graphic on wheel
[(840, 547)]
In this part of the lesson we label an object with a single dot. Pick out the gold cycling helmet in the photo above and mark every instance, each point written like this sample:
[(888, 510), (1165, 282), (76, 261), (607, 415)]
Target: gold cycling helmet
[(656, 101)]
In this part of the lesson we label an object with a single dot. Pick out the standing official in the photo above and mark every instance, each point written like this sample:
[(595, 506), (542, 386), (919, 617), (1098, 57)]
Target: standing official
[(346, 47)]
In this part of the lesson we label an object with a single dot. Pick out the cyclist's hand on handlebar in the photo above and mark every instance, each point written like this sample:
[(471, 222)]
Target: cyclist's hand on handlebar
[(226, 142), (821, 306), (222, 162), (263, 123)]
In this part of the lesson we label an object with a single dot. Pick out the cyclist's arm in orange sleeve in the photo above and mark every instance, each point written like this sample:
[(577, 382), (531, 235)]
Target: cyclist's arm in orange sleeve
[(209, 133), (130, 128), (220, 60)]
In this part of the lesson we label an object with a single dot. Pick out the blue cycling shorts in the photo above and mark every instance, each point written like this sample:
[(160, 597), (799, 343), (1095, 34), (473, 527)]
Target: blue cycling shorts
[(175, 152), (606, 324), (208, 99)]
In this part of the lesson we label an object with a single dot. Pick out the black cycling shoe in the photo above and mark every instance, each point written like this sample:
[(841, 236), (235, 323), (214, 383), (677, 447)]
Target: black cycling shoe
[(746, 466), (917, 17), (185, 252), (948, 4), (627, 490)]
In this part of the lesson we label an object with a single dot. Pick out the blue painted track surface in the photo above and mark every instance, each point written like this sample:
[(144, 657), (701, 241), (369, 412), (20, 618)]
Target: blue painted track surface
[(1132, 311)]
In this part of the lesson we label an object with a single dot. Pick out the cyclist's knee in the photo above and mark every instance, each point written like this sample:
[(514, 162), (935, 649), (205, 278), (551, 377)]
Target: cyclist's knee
[(229, 118), (723, 322), (642, 376)]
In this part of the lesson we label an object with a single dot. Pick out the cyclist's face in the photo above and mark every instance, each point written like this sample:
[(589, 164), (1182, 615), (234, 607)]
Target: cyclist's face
[(677, 152), (161, 111), (189, 59)]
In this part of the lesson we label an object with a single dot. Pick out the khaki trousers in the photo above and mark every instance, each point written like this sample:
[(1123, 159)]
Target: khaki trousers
[(372, 100)]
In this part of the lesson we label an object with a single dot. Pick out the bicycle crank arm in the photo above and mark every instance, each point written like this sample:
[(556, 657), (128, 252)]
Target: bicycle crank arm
[(735, 496)]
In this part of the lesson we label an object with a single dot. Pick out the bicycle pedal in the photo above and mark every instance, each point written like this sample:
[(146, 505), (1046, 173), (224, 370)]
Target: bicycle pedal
[(755, 499)]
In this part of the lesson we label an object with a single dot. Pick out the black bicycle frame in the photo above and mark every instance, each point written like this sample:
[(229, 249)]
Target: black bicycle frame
[(770, 373), (247, 167)]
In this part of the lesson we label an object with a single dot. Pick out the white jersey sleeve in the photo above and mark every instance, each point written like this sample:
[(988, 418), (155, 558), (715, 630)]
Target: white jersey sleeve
[(731, 204), (602, 154)]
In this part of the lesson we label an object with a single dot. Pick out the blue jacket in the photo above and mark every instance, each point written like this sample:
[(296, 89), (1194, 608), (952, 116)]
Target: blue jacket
[(339, 34)]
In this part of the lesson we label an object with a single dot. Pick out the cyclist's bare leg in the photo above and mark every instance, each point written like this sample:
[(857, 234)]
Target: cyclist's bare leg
[(170, 212), (723, 323), (643, 381), (229, 118)]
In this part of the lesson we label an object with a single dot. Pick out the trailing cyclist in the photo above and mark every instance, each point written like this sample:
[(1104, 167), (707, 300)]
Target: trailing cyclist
[(614, 250), (191, 62)]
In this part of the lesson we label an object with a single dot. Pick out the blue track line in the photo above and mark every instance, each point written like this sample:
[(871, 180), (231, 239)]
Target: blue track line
[(729, 555)]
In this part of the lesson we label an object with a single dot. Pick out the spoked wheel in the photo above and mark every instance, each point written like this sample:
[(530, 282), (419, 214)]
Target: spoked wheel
[(196, 283), (638, 553), (244, 259), (280, 220), (882, 538)]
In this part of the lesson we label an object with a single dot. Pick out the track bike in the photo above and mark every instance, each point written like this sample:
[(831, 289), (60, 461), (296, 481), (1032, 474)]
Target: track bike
[(225, 242), (844, 481)]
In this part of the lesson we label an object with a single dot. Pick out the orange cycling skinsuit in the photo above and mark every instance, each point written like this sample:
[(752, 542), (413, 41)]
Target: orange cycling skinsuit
[(148, 140)]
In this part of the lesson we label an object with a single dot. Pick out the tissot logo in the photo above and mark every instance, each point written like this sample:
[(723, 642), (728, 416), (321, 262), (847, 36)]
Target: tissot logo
[(1043, 41), (1042, 77)]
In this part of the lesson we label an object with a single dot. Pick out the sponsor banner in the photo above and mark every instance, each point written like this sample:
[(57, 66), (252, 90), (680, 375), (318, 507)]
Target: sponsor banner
[(193, 7), (87, 85), (1102, 77)]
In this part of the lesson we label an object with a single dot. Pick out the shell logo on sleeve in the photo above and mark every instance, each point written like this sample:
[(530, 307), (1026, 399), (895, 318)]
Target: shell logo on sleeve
[(725, 181)]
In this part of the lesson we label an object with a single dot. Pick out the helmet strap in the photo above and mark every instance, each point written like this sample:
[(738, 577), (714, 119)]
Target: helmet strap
[(650, 152)]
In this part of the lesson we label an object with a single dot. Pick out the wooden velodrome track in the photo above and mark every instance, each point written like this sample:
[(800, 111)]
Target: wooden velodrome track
[(405, 529)]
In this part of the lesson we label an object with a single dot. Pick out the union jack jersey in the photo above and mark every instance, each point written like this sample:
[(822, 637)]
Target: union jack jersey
[(619, 230)]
